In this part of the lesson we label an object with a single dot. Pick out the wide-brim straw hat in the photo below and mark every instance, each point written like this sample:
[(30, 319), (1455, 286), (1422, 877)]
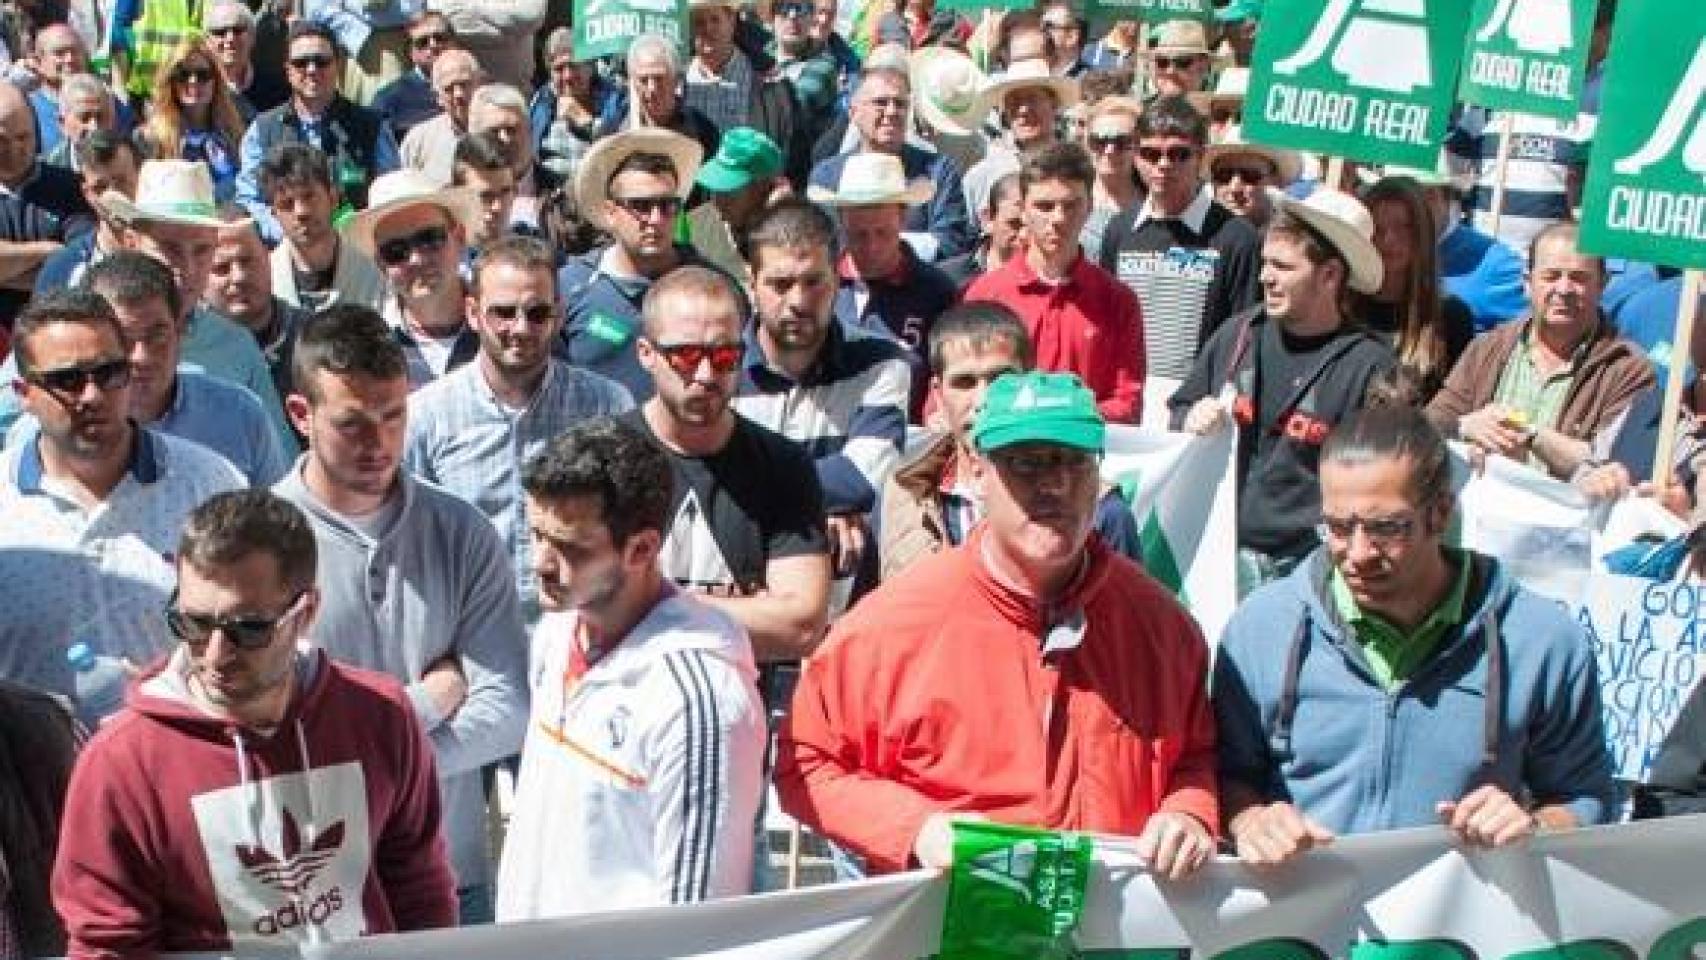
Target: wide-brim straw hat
[(1346, 224), (169, 192), (1288, 164), (401, 189), (870, 180), (1181, 37), (592, 183), (1031, 74), (950, 92)]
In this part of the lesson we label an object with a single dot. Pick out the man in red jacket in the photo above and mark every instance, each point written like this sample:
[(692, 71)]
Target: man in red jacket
[(252, 796), (1030, 675)]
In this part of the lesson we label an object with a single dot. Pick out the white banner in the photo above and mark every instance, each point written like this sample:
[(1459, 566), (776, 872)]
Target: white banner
[(1182, 490), (1648, 638), (1612, 893)]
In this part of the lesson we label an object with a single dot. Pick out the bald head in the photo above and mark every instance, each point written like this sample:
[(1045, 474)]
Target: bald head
[(455, 77), (59, 53), (17, 136)]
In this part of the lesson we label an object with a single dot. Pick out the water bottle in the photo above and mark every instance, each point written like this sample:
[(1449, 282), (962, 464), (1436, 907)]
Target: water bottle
[(100, 683)]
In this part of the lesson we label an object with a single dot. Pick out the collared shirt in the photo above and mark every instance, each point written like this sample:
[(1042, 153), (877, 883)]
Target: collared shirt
[(221, 416), (848, 411), (99, 574), (464, 439), (1539, 396), (430, 358), (1394, 652), (725, 99), (903, 305), (1088, 324)]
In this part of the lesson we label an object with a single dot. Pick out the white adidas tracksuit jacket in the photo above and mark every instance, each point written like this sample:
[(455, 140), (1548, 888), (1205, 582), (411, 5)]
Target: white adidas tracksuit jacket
[(639, 785)]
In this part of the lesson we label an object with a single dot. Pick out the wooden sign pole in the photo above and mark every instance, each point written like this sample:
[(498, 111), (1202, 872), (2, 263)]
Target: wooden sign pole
[(1335, 175), (1506, 125), (1144, 69), (1680, 343)]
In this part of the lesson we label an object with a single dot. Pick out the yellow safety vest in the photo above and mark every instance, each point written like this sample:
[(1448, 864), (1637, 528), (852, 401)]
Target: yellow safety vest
[(159, 29)]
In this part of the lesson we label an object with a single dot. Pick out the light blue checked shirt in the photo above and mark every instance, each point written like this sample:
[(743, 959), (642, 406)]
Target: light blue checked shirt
[(464, 440)]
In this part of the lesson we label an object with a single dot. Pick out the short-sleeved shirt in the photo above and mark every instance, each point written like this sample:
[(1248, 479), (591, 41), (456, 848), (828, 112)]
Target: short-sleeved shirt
[(1394, 652), (755, 500), (1539, 396)]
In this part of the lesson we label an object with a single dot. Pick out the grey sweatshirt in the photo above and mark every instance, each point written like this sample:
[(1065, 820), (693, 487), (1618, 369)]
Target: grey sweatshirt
[(437, 581)]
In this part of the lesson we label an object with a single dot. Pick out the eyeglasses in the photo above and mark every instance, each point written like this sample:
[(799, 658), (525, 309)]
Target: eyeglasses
[(1102, 141), (890, 103), (1042, 461), (685, 358), (795, 9), (668, 205), (1255, 176), (1381, 531), (317, 60), (1174, 63), (536, 314), (234, 30), (1175, 154), (106, 375), (428, 39), (192, 75), (245, 633), (396, 251), (1067, 26)]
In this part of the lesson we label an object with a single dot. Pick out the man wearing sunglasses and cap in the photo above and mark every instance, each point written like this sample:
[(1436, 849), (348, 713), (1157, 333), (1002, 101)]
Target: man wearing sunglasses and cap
[(922, 705), (471, 430), (93, 502), (256, 794)]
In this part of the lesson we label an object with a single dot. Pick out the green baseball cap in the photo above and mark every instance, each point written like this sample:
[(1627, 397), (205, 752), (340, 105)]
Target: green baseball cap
[(1039, 408), (1238, 10), (743, 156)]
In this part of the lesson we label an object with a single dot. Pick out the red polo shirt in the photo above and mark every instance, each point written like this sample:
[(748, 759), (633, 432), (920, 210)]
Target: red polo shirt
[(1090, 325)]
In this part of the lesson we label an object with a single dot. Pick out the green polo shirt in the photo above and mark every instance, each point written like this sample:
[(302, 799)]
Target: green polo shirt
[(1393, 652), (1523, 387)]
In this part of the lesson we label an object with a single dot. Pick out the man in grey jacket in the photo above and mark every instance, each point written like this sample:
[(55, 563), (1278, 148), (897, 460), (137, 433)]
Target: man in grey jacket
[(414, 581)]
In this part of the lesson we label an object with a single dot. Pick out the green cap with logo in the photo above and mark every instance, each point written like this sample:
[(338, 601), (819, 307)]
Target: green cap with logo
[(1239, 10), (743, 156), (1039, 408)]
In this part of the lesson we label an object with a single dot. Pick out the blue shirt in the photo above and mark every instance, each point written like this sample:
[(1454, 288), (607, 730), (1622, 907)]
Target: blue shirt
[(940, 228), (406, 101), (386, 158), (462, 438), (222, 417), (1485, 274)]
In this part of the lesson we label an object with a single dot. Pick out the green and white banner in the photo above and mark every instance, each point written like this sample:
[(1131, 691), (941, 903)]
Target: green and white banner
[(1182, 491), (1528, 56), (606, 27), (1613, 893), (1368, 80), (1152, 11), (1646, 185)]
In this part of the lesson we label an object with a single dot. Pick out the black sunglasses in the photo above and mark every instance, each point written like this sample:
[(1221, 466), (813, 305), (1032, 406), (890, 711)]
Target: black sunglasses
[(246, 633), (1174, 63), (312, 60), (668, 205), (536, 314), (396, 251), (1175, 154), (428, 39), (107, 375), (1224, 175), (192, 75), (795, 9), (234, 30), (1100, 141), (685, 358)]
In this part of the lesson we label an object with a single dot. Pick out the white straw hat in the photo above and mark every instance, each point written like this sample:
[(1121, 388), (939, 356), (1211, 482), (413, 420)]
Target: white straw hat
[(1347, 225), (405, 188), (949, 90), (592, 182), (870, 180), (178, 192)]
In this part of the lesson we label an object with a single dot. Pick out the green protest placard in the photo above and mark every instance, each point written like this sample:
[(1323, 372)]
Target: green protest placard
[(1152, 11), (1014, 893), (1646, 184), (1528, 56), (605, 27), (1369, 80)]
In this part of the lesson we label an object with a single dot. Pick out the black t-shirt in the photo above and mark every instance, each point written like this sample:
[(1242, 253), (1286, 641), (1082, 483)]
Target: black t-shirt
[(755, 499)]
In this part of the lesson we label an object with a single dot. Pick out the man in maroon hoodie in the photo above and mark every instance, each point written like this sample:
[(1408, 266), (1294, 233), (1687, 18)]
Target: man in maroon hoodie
[(252, 794)]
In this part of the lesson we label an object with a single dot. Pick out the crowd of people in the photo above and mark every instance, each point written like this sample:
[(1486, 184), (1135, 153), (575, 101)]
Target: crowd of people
[(405, 405)]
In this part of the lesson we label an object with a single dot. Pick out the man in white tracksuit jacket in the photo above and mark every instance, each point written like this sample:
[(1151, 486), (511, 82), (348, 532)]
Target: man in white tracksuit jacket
[(641, 772)]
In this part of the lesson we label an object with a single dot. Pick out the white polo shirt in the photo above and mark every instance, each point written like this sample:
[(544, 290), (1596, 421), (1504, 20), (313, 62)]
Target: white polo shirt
[(101, 574)]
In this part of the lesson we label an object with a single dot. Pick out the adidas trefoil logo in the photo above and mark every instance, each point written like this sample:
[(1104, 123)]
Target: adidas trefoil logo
[(295, 870)]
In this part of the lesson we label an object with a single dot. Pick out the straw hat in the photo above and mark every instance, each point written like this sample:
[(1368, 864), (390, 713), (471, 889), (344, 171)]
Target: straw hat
[(1181, 38), (1346, 224), (1231, 86), (592, 183), (401, 189), (1029, 74), (1288, 164), (950, 90), (870, 180), (176, 192)]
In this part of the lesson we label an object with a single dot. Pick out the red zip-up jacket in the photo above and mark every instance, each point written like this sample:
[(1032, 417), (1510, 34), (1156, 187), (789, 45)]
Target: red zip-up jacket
[(183, 832), (934, 694)]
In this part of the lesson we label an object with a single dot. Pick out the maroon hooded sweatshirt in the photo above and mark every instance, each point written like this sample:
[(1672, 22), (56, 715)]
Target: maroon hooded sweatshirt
[(183, 832)]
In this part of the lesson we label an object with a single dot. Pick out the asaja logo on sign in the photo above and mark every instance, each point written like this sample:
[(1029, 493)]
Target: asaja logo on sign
[(1528, 55), (604, 27), (1364, 79), (1646, 189)]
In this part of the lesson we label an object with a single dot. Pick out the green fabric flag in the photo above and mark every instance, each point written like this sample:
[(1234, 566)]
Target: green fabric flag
[(1014, 893)]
